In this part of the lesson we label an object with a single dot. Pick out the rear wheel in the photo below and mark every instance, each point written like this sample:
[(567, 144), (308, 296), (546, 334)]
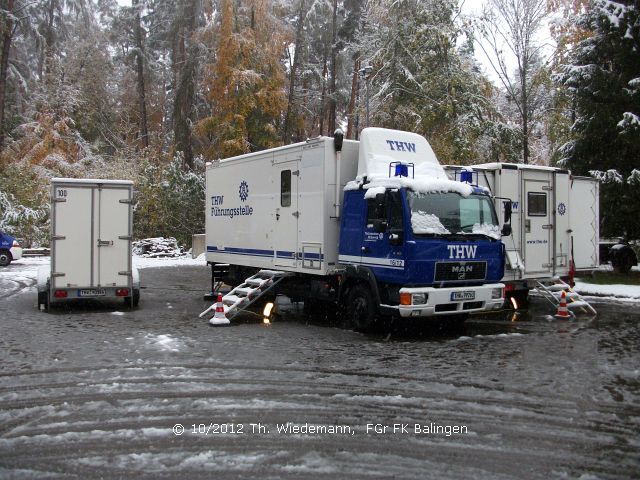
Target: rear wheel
[(360, 308), (43, 299), (5, 258)]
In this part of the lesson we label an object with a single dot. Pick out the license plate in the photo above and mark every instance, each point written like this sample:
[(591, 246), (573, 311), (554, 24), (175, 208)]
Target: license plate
[(92, 292), (464, 295)]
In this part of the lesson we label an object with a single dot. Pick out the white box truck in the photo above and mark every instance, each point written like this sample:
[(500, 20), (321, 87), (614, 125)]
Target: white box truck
[(91, 235), (374, 227), (554, 220)]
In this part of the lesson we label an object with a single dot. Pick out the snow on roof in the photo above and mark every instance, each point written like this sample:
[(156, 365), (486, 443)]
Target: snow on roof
[(91, 181), (500, 165), (423, 184)]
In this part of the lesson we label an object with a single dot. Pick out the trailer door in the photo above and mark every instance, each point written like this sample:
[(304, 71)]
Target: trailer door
[(584, 222), (537, 223), (113, 210), (286, 213), (72, 252)]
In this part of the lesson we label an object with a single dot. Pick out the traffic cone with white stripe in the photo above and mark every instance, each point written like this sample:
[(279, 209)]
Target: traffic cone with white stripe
[(563, 311), (219, 318)]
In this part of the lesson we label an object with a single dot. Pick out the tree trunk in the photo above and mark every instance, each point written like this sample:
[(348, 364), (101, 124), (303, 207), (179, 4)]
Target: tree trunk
[(323, 95), (142, 103), (525, 116), (7, 37), (332, 84), (354, 95), (291, 110), (185, 68)]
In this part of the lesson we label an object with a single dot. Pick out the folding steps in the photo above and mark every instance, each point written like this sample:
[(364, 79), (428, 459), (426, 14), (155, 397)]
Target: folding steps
[(552, 292), (249, 291)]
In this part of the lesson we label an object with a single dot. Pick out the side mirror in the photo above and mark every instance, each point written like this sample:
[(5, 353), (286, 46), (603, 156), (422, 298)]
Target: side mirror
[(380, 226), (506, 230), (507, 211)]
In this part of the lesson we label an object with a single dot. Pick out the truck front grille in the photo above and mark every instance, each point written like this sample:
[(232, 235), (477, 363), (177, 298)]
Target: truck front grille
[(460, 271)]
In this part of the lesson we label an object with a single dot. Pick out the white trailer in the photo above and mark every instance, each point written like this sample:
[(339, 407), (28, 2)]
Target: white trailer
[(91, 235), (555, 220)]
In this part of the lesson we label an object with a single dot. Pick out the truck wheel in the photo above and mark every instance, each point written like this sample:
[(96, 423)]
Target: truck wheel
[(360, 308), (136, 297), (5, 258)]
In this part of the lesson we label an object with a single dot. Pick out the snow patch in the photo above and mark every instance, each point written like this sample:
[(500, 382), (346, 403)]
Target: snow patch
[(487, 229), (427, 223)]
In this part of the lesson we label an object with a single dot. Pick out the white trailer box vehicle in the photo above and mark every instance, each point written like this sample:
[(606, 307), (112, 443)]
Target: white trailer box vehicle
[(91, 235), (354, 225), (554, 219)]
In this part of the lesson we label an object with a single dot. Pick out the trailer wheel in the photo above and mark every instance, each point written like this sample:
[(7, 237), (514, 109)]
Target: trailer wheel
[(43, 299), (133, 301), (360, 308), (5, 258)]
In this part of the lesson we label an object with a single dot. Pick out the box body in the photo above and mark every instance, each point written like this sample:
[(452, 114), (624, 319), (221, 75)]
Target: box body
[(554, 217), (276, 209), (91, 235)]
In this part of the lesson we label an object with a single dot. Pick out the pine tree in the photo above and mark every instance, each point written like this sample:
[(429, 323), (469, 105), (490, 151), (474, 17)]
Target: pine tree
[(604, 78)]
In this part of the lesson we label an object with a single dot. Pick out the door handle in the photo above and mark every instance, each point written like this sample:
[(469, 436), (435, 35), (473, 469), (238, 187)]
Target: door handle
[(365, 250), (105, 243), (527, 226)]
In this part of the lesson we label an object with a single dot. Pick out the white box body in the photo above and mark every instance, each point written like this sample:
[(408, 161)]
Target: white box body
[(555, 217), (275, 209), (91, 235)]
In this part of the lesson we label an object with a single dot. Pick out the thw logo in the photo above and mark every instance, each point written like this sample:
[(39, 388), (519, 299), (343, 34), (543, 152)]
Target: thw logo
[(401, 146), (462, 251)]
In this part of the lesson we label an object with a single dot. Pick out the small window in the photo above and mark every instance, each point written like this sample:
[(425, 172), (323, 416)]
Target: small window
[(375, 211), (285, 188), (537, 204)]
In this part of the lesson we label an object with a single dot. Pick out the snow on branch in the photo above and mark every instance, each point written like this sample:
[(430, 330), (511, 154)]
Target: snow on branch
[(610, 176)]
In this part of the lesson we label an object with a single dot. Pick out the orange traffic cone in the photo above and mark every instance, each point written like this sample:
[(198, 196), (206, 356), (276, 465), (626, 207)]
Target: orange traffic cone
[(219, 318), (563, 311)]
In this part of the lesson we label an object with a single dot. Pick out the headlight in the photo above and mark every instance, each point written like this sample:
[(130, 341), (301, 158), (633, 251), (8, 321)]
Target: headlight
[(419, 298), (496, 293)]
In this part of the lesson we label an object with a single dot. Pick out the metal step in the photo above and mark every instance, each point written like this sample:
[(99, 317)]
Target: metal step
[(553, 294), (248, 292)]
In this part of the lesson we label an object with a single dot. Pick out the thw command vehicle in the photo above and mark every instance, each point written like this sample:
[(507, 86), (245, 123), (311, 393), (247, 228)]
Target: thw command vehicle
[(91, 235), (374, 227)]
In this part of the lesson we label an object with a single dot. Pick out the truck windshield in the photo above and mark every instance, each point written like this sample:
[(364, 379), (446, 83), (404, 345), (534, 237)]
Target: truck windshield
[(452, 214)]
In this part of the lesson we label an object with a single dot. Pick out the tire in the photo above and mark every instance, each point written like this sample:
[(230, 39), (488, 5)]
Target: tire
[(5, 258), (136, 297), (43, 299), (360, 308)]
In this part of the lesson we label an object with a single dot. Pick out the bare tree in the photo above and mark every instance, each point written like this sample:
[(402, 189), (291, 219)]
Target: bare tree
[(142, 102), (8, 30), (511, 26)]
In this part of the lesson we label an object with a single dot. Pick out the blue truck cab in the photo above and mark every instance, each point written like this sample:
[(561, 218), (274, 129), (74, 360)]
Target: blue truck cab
[(10, 249), (420, 244)]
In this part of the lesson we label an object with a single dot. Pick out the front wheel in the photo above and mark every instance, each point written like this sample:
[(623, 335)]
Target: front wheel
[(360, 308), (5, 258)]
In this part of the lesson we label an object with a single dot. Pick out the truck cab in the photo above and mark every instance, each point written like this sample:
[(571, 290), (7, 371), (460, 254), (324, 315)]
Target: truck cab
[(10, 249), (419, 245)]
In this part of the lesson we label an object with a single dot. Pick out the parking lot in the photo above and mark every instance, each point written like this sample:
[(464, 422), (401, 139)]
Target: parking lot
[(99, 390)]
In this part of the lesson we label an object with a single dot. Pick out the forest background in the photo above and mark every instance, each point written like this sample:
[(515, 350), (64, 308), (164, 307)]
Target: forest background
[(152, 90)]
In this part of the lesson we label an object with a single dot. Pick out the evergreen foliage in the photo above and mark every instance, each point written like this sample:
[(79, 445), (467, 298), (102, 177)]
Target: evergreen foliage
[(604, 78)]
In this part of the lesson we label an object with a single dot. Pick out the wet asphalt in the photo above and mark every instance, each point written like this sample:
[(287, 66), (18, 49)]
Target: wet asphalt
[(101, 391)]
